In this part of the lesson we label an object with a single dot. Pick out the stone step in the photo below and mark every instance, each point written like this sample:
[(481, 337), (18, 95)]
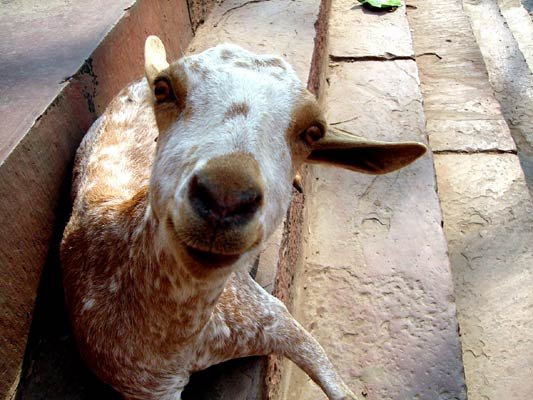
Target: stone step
[(507, 49), (61, 63), (486, 205), (376, 287)]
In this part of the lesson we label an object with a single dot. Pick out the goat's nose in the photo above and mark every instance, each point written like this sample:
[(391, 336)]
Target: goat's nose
[(227, 190)]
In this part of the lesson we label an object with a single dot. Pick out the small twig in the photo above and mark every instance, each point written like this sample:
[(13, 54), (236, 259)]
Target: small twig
[(342, 122)]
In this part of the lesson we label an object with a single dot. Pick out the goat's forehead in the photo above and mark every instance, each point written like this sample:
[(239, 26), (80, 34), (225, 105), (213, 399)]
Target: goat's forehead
[(231, 68)]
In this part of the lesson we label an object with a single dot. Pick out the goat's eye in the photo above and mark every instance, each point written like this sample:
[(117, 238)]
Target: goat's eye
[(163, 90), (312, 134)]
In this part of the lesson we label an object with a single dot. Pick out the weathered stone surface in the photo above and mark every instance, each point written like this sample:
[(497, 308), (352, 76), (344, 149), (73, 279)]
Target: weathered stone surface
[(488, 219), (521, 25), (509, 74), (486, 205), (458, 99), (103, 53), (36, 57), (276, 26), (355, 32), (266, 270), (470, 135), (198, 11), (380, 100), (376, 288)]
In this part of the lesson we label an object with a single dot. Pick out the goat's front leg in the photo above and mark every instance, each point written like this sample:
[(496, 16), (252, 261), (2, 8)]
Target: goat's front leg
[(291, 340), (249, 321)]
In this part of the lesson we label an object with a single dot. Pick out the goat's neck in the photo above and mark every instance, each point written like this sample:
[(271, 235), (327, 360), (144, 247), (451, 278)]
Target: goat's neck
[(167, 285)]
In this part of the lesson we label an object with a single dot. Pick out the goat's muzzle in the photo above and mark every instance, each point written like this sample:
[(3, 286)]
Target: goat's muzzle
[(219, 217), (224, 200)]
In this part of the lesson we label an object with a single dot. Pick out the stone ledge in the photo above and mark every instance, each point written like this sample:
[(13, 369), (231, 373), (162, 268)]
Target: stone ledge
[(35, 175), (357, 32), (459, 73), (508, 69), (486, 205), (488, 217), (376, 288)]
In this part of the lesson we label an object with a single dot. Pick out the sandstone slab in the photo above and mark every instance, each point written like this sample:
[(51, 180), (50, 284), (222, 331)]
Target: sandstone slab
[(359, 32), (486, 205), (53, 84), (521, 25), (509, 73), (276, 26), (477, 135), (36, 58), (488, 219), (459, 103), (376, 287)]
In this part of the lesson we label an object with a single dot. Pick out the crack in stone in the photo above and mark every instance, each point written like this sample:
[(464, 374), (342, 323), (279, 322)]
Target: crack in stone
[(384, 57), (236, 8), (484, 151), (190, 17)]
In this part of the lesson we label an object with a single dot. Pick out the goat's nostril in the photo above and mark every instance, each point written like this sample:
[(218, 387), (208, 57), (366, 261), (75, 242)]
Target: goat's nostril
[(248, 204), (219, 202), (202, 199)]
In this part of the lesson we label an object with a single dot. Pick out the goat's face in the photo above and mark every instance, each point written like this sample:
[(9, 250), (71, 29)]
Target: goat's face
[(234, 128)]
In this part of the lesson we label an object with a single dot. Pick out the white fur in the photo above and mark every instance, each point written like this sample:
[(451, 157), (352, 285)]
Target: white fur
[(261, 133)]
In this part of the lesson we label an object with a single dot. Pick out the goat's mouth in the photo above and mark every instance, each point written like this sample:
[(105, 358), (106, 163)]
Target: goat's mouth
[(211, 259), (204, 245)]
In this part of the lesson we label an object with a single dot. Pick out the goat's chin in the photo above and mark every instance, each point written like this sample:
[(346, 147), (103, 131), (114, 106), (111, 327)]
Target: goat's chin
[(209, 259), (227, 247)]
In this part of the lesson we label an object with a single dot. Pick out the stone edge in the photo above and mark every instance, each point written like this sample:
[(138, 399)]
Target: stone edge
[(292, 239), (36, 174)]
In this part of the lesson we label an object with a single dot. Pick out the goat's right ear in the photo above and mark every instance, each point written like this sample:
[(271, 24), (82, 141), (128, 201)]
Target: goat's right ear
[(155, 58), (346, 150)]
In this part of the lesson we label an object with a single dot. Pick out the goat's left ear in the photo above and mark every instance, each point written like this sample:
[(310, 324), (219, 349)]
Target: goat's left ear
[(355, 153), (155, 58)]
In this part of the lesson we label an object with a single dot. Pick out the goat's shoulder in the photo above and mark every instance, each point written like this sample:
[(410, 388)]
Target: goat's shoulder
[(115, 157)]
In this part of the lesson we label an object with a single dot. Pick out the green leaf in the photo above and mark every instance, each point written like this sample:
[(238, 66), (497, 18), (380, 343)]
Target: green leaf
[(382, 3)]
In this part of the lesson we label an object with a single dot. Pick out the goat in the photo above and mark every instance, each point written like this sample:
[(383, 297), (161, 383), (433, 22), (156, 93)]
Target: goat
[(176, 188)]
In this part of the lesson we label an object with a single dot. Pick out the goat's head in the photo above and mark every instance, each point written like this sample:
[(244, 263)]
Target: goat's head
[(234, 127)]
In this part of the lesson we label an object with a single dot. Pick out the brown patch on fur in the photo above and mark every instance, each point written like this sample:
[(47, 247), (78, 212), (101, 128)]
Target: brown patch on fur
[(277, 76), (237, 109), (273, 62), (167, 113), (261, 64), (226, 55), (197, 68), (187, 113), (243, 64), (269, 62), (307, 112), (227, 177), (131, 207)]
